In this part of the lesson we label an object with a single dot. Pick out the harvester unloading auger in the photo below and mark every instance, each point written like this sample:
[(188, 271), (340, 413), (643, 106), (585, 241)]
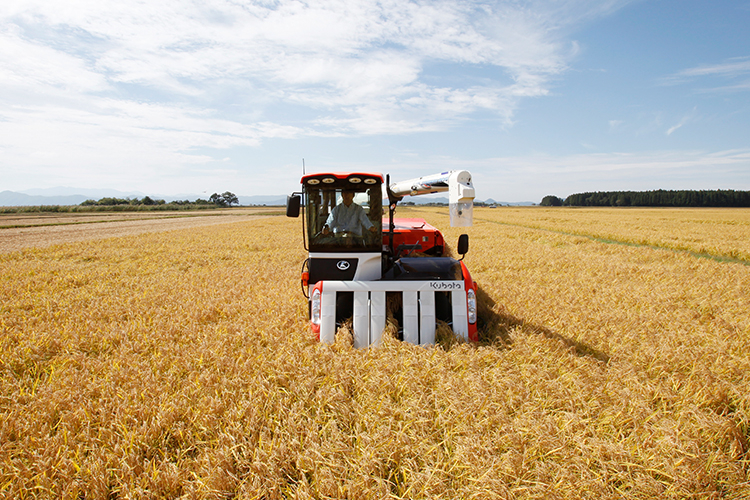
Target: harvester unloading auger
[(358, 261)]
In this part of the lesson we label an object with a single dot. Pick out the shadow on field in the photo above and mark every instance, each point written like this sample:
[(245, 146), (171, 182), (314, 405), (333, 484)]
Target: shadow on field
[(494, 327)]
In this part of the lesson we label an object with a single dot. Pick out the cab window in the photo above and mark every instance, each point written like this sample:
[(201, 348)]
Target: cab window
[(344, 218)]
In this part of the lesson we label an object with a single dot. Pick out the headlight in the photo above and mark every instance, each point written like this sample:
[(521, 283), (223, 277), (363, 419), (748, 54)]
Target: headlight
[(315, 307), (471, 301)]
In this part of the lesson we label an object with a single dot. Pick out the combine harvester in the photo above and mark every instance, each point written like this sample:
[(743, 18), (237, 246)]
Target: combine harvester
[(358, 262)]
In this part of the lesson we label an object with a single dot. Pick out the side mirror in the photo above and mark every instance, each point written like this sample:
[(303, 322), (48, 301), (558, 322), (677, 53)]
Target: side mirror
[(463, 244), (292, 205)]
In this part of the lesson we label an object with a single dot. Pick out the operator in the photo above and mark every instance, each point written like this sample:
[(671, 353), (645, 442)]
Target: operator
[(348, 217)]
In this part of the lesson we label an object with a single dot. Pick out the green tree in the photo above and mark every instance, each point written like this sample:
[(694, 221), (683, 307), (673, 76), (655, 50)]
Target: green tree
[(230, 198), (226, 199), (216, 199), (551, 201)]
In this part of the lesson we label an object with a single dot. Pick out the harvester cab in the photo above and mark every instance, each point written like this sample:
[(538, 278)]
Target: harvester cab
[(366, 267)]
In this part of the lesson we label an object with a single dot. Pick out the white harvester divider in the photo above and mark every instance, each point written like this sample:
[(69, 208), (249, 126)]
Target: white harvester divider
[(369, 317)]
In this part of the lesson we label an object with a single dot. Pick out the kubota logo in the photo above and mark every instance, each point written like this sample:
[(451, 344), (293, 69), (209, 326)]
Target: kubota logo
[(342, 265), (445, 285)]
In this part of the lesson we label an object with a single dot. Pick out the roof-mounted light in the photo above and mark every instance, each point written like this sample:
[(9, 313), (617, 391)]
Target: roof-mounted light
[(371, 181), (313, 182), (329, 180), (355, 180)]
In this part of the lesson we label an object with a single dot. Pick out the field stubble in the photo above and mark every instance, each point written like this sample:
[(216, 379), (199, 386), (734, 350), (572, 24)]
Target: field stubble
[(180, 364), (32, 230)]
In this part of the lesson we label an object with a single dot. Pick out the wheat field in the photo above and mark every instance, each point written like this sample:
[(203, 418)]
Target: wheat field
[(613, 363)]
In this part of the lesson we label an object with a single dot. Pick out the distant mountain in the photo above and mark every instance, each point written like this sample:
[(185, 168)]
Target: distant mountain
[(424, 200), (419, 200), (13, 199), (60, 196), (93, 194), (262, 200)]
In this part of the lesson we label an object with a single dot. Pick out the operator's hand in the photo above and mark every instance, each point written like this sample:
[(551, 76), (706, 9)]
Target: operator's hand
[(325, 230), (373, 229)]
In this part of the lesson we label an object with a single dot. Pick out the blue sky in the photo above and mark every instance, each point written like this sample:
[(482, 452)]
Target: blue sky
[(534, 98)]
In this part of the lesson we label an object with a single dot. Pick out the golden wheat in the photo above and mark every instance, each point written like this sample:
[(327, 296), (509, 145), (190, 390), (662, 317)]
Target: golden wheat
[(719, 232), (181, 364)]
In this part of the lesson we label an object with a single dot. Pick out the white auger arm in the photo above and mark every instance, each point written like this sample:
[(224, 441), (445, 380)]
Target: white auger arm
[(456, 182)]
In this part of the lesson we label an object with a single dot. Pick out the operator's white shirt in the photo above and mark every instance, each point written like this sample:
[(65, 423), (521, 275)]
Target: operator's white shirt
[(351, 218)]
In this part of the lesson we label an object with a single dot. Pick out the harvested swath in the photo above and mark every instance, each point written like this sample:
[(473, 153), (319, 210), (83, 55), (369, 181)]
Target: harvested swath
[(70, 229)]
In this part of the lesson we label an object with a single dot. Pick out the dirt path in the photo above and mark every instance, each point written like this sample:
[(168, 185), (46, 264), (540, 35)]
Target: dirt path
[(18, 238)]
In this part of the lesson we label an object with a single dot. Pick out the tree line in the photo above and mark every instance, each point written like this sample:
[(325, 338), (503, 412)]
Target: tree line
[(658, 198), (226, 199)]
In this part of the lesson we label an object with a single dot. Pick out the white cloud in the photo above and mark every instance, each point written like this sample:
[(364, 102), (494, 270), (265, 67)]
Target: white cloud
[(731, 69), (327, 54), (26, 64), (684, 120), (112, 84)]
